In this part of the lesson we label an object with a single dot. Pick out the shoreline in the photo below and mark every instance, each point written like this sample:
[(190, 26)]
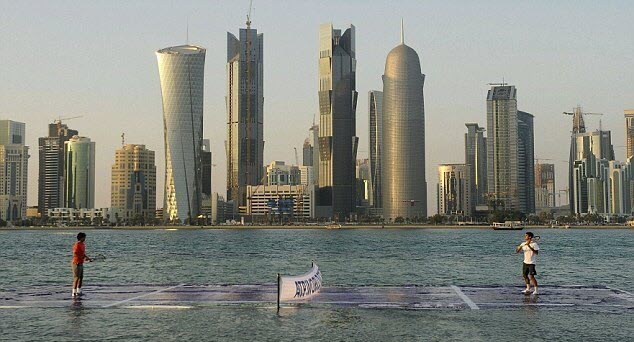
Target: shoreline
[(290, 227)]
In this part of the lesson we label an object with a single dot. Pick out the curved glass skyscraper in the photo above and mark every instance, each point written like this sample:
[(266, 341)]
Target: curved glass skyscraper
[(404, 188), (181, 70), (79, 187)]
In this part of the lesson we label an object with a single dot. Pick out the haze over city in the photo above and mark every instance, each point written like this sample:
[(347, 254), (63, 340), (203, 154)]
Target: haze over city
[(97, 60)]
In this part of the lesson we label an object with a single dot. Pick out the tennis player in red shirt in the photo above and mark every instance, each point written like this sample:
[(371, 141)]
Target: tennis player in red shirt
[(79, 256)]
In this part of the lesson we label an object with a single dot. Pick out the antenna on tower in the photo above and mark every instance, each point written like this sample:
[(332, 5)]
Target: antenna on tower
[(187, 30), (402, 33)]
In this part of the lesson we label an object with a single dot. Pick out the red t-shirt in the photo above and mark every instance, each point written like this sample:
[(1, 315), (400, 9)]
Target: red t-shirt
[(79, 253)]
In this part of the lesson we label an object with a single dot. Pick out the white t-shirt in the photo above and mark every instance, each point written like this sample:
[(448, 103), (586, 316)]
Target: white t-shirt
[(529, 256)]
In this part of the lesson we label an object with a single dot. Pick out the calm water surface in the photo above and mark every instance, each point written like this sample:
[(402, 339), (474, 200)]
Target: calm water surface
[(434, 257)]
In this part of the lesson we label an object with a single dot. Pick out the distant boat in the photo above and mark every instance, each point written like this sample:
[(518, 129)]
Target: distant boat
[(333, 226), (508, 225)]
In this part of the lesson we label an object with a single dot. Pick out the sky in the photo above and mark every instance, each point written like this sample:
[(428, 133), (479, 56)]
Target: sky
[(96, 59)]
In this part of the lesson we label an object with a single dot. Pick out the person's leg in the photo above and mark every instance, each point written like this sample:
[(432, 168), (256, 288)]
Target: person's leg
[(534, 281), (80, 275), (75, 279), (526, 280)]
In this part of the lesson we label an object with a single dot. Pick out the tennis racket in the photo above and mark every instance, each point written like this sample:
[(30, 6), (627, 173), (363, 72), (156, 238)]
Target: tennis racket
[(99, 257)]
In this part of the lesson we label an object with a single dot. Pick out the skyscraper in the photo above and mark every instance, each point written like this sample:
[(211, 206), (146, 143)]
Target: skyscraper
[(51, 167), (476, 160), (629, 133), (181, 70), (133, 188), (207, 166), (544, 186), (14, 158), (79, 173), (453, 190), (337, 120), (245, 114), (404, 187), (375, 110), (502, 146), (307, 153), (526, 162)]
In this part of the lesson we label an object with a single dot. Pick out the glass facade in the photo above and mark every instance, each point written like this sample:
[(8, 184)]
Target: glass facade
[(79, 173), (375, 110), (404, 186), (337, 120), (502, 147), (476, 160), (14, 156), (245, 104), (181, 70)]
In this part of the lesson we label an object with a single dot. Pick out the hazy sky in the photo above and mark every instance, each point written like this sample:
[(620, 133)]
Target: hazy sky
[(96, 59)]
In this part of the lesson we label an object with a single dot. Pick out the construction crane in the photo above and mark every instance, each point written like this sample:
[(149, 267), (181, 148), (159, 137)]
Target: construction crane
[(578, 126), (59, 119), (122, 139)]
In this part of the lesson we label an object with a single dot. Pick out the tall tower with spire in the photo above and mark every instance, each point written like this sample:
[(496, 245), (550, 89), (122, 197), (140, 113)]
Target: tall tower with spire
[(403, 139)]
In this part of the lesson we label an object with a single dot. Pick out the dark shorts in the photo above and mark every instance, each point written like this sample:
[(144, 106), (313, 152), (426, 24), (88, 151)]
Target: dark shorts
[(528, 269), (78, 270)]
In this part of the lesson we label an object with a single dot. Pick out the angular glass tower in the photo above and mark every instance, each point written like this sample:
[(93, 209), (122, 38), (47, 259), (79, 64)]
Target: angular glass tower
[(337, 120), (375, 111), (245, 142), (79, 173), (502, 147), (181, 70), (476, 160), (404, 187), (51, 167)]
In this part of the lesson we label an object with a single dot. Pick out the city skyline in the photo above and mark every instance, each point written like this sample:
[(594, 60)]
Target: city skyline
[(132, 103)]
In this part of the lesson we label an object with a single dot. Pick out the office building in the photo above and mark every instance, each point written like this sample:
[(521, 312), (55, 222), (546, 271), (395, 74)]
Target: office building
[(278, 173), (364, 188), (476, 161), (502, 147), (181, 71), (245, 114), (307, 153), (307, 176), (79, 173), (526, 162), (375, 110), (14, 163), (337, 121), (133, 188), (281, 202), (544, 186), (629, 133), (207, 166), (453, 190), (403, 183), (51, 167)]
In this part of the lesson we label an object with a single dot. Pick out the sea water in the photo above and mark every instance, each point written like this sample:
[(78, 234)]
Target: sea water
[(346, 257)]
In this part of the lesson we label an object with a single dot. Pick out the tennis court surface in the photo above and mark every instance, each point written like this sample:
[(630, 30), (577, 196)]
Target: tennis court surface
[(189, 296)]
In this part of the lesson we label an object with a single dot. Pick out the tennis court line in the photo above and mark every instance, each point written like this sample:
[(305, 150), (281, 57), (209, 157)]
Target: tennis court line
[(464, 298), (141, 296)]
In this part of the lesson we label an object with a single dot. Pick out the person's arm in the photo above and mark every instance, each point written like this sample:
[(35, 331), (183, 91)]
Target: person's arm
[(536, 251), (519, 248)]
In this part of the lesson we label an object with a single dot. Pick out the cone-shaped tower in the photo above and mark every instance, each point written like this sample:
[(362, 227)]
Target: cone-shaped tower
[(403, 145)]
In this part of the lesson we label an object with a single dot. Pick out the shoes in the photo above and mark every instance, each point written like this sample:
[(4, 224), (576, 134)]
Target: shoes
[(535, 292), (527, 291)]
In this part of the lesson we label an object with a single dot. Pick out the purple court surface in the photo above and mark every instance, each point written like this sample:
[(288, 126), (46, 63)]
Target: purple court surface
[(186, 296)]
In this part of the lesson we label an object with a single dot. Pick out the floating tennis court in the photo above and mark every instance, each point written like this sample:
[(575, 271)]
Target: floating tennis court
[(186, 296)]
